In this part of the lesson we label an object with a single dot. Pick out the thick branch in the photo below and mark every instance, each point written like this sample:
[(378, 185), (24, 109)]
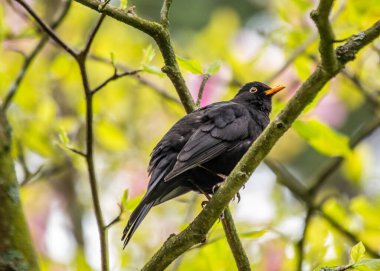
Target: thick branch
[(197, 230), (162, 37), (326, 45)]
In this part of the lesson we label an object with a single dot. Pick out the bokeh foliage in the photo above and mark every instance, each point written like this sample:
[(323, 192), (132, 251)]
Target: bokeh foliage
[(47, 116)]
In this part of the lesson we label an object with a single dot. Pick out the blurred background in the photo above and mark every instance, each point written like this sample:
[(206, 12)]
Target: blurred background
[(270, 41)]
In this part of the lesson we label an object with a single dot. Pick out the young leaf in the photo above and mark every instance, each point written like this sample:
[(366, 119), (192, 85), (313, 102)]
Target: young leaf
[(214, 67), (132, 204), (124, 198), (63, 138), (367, 265), (153, 70), (148, 54), (323, 138), (357, 252), (190, 65), (123, 4), (253, 234)]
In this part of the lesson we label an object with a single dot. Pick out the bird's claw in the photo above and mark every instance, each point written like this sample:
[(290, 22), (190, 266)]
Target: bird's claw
[(237, 196), (204, 203), (215, 188)]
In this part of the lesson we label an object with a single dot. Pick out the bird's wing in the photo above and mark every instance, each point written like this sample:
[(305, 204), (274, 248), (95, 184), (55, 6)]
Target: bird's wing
[(223, 128), (164, 155)]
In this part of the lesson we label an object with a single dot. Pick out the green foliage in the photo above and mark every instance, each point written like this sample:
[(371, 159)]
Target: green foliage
[(357, 253), (322, 138), (190, 65)]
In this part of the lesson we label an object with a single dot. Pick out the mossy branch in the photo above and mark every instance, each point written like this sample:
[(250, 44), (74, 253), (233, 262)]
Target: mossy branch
[(326, 46)]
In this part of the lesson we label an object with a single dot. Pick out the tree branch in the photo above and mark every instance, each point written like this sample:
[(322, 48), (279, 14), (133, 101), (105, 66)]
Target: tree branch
[(326, 46), (197, 230), (165, 13), (234, 242), (202, 88), (114, 77), (47, 28)]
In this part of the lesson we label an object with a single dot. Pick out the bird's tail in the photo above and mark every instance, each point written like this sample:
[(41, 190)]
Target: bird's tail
[(135, 219)]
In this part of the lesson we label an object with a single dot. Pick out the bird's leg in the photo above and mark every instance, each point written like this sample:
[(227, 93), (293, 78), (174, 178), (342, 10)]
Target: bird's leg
[(203, 204)]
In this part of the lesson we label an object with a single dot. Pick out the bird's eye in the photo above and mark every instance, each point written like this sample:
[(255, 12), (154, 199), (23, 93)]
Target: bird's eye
[(253, 90)]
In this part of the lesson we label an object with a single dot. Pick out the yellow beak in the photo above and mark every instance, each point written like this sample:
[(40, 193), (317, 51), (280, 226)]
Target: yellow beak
[(274, 90)]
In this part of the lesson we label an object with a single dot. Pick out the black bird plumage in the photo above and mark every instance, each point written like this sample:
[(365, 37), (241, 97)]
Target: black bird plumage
[(202, 147)]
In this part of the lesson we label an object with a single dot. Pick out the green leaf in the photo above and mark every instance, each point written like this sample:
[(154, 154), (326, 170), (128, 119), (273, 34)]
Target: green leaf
[(129, 204), (357, 252), (214, 67), (148, 55), (323, 138), (367, 265), (253, 234), (153, 70), (124, 198), (132, 204), (353, 166), (190, 65), (63, 137), (123, 4)]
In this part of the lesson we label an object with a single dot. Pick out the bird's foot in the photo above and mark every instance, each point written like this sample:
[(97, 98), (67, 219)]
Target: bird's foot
[(222, 176), (215, 187), (204, 203)]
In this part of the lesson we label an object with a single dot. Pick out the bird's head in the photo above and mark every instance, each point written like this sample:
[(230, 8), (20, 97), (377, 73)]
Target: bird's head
[(258, 94), (259, 90)]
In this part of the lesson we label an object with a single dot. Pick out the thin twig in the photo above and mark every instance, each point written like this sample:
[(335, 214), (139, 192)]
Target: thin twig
[(300, 247), (47, 29), (114, 77), (116, 219), (81, 59), (142, 80), (29, 59), (165, 13), (80, 153), (92, 35), (234, 242), (201, 89)]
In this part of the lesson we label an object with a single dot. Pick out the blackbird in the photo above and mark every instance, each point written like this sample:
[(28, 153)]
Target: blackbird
[(203, 147)]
